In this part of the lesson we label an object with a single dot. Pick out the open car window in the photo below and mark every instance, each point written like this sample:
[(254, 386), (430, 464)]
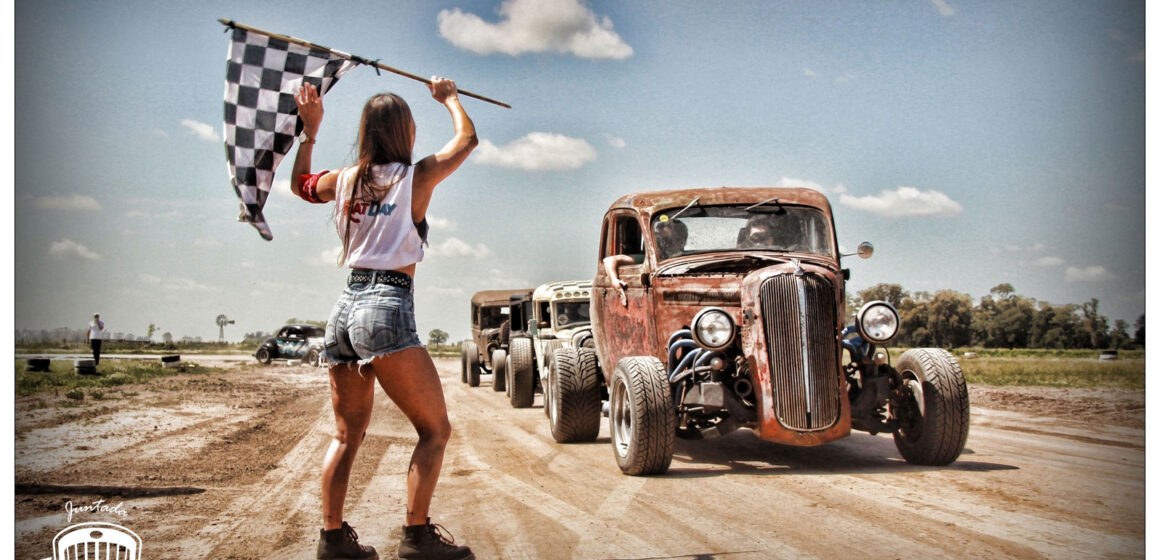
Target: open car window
[(711, 229)]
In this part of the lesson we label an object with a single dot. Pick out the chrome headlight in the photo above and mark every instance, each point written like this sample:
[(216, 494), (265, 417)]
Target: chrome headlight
[(713, 328), (877, 322)]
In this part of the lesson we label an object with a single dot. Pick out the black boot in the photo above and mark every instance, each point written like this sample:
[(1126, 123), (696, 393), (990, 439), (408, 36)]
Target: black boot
[(428, 543), (342, 544)]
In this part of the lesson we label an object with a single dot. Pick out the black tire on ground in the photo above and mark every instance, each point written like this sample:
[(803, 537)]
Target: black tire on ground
[(937, 434), (38, 364), (463, 362), (313, 356), (498, 369), (472, 364), (521, 375), (263, 355), (507, 376), (550, 348), (572, 396), (641, 418)]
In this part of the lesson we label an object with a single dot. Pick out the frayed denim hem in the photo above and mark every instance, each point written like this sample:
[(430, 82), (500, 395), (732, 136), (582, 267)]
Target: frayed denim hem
[(362, 362)]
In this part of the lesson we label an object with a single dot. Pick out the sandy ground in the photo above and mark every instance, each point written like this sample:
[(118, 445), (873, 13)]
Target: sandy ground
[(1046, 474)]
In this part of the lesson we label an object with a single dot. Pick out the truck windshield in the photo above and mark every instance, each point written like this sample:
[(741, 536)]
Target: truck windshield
[(571, 313), (492, 317), (711, 229)]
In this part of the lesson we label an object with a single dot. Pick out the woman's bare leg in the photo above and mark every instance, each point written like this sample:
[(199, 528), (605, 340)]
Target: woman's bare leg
[(410, 380), (353, 396)]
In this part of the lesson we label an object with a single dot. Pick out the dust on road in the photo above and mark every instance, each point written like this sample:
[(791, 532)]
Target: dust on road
[(1043, 476)]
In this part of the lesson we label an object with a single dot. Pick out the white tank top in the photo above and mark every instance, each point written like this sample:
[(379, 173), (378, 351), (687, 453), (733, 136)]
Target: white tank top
[(382, 234)]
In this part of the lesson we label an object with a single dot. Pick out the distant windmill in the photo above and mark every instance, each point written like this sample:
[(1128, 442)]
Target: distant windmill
[(222, 321)]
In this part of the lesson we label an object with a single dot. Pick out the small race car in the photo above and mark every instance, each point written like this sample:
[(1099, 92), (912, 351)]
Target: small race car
[(293, 342)]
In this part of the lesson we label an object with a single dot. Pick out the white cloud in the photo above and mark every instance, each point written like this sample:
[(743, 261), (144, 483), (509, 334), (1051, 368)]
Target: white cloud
[(843, 78), (1087, 274), (67, 249), (1048, 261), (329, 257), (538, 151), (563, 26), (809, 73), (70, 202), (904, 201), (441, 224), (204, 131), (616, 142), (455, 247), (944, 9), (149, 279)]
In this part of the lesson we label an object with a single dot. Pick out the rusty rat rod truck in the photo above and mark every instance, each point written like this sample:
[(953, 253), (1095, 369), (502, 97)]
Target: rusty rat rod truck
[(733, 317)]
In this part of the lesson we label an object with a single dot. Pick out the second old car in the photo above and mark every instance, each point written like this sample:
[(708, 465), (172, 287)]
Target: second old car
[(732, 316), (486, 351), (293, 342), (556, 315)]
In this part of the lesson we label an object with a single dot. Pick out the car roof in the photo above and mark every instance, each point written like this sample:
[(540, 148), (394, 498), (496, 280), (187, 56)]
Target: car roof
[(563, 290), (650, 202), (306, 326), (497, 297)]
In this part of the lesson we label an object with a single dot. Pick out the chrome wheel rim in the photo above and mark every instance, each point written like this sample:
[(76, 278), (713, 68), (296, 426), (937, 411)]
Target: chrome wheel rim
[(621, 420)]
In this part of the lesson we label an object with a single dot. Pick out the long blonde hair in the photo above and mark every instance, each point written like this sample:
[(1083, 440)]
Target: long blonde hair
[(386, 135)]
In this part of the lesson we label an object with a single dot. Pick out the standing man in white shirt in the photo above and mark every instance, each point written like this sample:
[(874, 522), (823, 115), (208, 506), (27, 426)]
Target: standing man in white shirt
[(95, 334)]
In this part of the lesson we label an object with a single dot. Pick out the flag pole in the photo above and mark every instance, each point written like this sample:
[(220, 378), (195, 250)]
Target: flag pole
[(232, 24)]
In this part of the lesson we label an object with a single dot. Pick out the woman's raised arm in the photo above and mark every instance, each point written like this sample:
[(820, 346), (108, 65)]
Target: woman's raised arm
[(431, 170)]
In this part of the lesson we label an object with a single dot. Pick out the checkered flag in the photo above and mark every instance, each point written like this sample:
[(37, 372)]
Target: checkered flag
[(261, 117)]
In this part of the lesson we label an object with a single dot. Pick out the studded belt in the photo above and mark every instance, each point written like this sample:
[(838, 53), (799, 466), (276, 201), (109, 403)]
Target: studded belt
[(392, 277)]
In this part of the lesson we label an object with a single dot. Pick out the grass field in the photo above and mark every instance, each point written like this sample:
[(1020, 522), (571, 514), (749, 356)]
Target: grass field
[(63, 379), (1049, 368), (1035, 368)]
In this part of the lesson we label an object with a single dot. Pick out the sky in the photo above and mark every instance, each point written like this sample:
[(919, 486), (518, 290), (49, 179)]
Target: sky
[(974, 143)]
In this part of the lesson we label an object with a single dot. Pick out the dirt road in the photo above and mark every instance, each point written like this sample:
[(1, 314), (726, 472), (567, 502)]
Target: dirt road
[(1028, 485)]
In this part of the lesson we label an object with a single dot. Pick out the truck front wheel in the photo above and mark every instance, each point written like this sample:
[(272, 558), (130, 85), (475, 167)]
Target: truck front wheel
[(522, 373), (472, 364), (641, 419), (572, 395), (932, 409), (499, 369)]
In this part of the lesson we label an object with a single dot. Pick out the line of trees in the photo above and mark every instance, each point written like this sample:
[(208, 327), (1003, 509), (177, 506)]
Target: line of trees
[(1001, 319)]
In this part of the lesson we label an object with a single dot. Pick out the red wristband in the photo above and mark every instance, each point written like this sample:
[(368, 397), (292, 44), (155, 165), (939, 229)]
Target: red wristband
[(308, 187)]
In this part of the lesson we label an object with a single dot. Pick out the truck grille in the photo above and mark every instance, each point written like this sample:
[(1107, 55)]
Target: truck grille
[(799, 314)]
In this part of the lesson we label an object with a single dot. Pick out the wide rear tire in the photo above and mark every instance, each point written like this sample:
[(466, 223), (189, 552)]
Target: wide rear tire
[(641, 419), (263, 356), (521, 377), (936, 433), (472, 364), (499, 369), (463, 362), (572, 396)]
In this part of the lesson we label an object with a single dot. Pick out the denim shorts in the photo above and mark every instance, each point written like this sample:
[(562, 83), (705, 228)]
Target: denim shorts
[(371, 320)]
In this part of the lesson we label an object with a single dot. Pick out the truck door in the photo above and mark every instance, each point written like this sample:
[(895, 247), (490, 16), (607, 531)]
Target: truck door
[(622, 328)]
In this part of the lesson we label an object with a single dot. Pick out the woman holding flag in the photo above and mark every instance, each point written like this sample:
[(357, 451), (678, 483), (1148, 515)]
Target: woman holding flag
[(380, 214)]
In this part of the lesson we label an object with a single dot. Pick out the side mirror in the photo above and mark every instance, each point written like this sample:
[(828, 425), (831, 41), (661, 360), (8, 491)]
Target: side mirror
[(865, 249)]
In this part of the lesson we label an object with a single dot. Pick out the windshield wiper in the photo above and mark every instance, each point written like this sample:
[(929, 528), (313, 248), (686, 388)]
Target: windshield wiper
[(687, 206), (775, 200)]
